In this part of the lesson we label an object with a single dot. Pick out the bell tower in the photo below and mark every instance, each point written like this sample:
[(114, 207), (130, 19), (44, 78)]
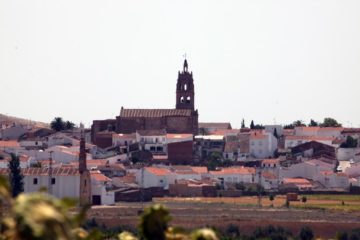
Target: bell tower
[(185, 93), (85, 177)]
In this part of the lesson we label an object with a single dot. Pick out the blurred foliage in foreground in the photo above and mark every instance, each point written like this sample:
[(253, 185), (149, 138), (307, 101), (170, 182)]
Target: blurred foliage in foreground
[(40, 216)]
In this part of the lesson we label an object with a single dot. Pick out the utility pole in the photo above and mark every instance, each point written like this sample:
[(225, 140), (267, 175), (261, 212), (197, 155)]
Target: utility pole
[(259, 188), (50, 190)]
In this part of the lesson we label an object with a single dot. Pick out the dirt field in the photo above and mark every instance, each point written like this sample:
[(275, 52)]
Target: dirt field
[(244, 212)]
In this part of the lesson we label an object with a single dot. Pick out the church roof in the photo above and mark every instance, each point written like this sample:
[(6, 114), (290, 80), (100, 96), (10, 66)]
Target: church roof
[(152, 113)]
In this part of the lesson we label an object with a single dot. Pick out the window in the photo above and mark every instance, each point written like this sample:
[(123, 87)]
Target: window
[(252, 143), (35, 181), (159, 149), (152, 149), (53, 181), (161, 180)]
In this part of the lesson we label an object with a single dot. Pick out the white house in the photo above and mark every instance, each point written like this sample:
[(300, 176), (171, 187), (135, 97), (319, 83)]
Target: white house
[(262, 144), (155, 177), (329, 180), (152, 140), (10, 146), (65, 182), (269, 181), (185, 173), (308, 169), (122, 139), (271, 129), (99, 189), (293, 141), (235, 175), (343, 154), (23, 159)]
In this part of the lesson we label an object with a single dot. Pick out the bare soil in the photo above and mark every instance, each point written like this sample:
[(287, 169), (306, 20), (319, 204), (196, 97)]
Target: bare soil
[(219, 212)]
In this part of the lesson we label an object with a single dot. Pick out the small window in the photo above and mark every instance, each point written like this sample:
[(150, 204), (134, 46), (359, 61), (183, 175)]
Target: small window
[(161, 180), (85, 183), (35, 181), (53, 181)]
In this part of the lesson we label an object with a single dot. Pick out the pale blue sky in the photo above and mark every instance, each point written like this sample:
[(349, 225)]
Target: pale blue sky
[(260, 60)]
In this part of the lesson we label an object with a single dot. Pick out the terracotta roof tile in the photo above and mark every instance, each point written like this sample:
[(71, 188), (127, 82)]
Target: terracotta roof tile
[(234, 170), (9, 144), (152, 113), (98, 176), (268, 175), (58, 171), (158, 171), (271, 161)]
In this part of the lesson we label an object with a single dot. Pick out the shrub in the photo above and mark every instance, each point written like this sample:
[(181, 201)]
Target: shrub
[(306, 233), (232, 231)]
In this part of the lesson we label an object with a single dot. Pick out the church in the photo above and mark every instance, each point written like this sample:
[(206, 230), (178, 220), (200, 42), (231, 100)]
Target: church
[(181, 119)]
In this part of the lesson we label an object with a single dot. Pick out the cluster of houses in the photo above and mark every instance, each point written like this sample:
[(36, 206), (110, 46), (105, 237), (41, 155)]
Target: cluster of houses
[(153, 163)]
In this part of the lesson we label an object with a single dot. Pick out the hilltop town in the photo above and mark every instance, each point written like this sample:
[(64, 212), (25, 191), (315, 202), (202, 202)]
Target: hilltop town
[(146, 153)]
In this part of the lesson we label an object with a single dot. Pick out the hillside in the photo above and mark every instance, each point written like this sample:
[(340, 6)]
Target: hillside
[(10, 119)]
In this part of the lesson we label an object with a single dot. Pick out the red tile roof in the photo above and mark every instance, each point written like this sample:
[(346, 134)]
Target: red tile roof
[(331, 129), (270, 161), (296, 181), (151, 113), (179, 135), (158, 171), (9, 144), (268, 175), (200, 170), (98, 176), (58, 171), (234, 170)]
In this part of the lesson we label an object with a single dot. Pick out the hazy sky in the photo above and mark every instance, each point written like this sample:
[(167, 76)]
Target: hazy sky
[(262, 60)]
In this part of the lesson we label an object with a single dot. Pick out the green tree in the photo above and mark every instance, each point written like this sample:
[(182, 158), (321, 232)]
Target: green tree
[(232, 231), (330, 122), (271, 197), (275, 133), (154, 223), (349, 143), (252, 125), (243, 123), (57, 124), (306, 233), (313, 123), (69, 125), (15, 176), (299, 123), (289, 126)]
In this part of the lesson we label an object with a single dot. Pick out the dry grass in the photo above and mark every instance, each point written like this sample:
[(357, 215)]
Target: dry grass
[(329, 202)]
